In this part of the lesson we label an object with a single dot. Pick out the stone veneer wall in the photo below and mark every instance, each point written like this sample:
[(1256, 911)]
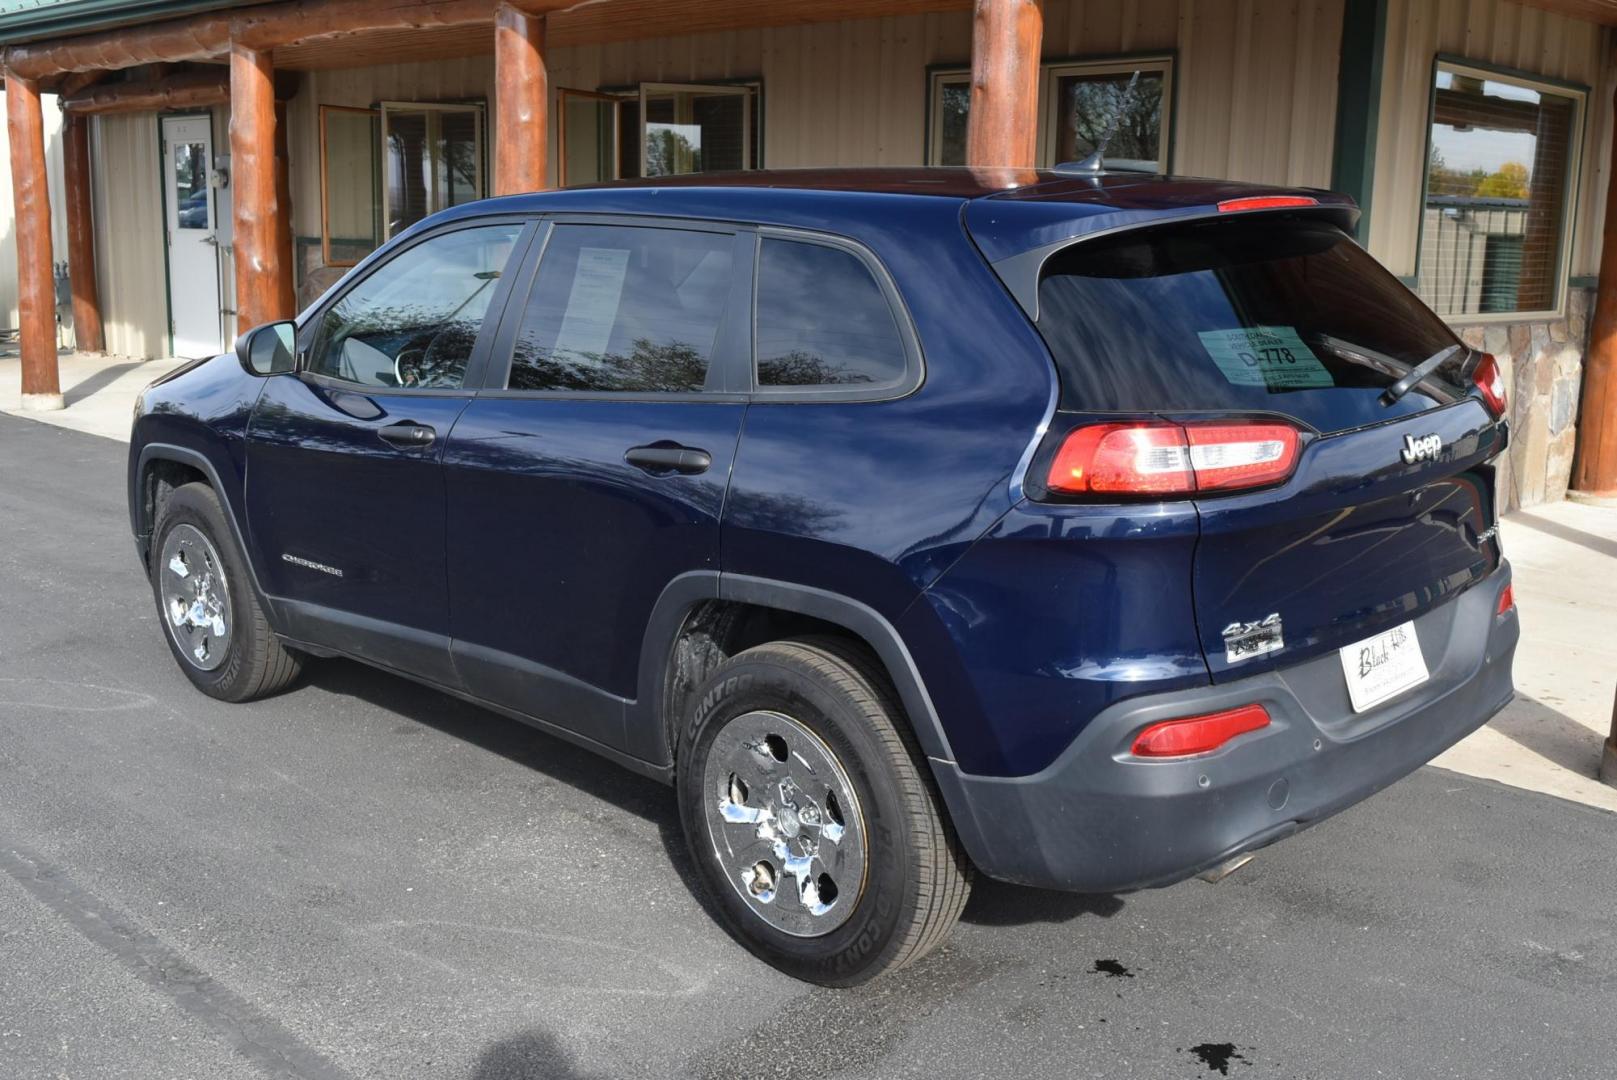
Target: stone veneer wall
[(1543, 364)]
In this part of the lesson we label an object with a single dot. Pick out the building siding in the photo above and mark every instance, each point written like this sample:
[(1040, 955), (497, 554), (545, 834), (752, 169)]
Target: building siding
[(129, 234), (52, 117)]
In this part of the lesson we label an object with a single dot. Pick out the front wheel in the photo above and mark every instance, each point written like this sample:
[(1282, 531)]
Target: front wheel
[(210, 614), (816, 829)]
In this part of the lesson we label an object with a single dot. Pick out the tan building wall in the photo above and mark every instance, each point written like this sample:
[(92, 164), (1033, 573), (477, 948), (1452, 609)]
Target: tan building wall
[(128, 208)]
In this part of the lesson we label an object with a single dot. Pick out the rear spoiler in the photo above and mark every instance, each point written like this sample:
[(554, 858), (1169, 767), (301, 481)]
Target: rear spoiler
[(1021, 272)]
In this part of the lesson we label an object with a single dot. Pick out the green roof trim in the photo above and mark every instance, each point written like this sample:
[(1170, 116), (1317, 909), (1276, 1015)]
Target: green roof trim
[(36, 20)]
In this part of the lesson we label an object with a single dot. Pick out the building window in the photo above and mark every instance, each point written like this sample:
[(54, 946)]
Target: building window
[(432, 159), (1495, 225), (1077, 102), (657, 129), (350, 184)]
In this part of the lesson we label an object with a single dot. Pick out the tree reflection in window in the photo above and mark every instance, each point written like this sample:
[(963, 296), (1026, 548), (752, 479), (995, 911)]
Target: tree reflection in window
[(412, 323), (622, 309), (822, 319)]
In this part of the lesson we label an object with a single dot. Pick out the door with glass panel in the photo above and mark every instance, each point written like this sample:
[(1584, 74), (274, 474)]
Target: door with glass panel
[(432, 160), (193, 243), (687, 128)]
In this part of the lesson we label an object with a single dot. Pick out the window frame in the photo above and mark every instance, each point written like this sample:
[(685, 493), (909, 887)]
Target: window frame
[(380, 221), (477, 363), (478, 108), (1531, 81), (907, 382), (730, 353), (1050, 71)]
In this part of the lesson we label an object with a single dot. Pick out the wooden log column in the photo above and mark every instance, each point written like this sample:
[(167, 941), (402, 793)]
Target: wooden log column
[(87, 332), (1002, 126), (36, 286), (1594, 470), (261, 296), (521, 109)]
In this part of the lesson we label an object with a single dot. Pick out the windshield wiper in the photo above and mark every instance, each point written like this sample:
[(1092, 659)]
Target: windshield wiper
[(1425, 368)]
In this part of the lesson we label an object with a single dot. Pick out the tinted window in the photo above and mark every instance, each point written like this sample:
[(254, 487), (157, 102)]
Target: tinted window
[(823, 320), (618, 308), (1242, 315), (412, 323)]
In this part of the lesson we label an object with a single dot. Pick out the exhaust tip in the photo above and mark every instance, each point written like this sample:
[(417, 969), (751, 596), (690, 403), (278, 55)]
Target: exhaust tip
[(1227, 867)]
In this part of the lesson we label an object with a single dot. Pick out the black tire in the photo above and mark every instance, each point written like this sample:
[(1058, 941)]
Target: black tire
[(916, 876), (255, 663)]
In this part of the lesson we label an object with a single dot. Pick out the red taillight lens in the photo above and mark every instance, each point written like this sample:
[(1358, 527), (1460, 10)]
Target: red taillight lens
[(1265, 202), (1199, 734), (1172, 459), (1490, 379), (1507, 599)]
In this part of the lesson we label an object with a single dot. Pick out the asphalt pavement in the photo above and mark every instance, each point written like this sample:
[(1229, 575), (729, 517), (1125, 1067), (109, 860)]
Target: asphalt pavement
[(362, 878)]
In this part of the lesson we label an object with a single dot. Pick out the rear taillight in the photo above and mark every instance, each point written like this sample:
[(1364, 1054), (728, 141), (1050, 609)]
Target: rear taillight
[(1265, 202), (1507, 599), (1490, 379), (1199, 734), (1172, 459)]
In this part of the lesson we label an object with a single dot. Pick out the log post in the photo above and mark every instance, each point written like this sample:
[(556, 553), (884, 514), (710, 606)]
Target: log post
[(87, 332), (36, 285), (1002, 127), (1594, 470), (522, 101), (285, 248), (260, 296)]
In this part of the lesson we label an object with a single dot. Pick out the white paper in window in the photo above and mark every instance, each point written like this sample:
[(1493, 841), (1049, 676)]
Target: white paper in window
[(592, 305)]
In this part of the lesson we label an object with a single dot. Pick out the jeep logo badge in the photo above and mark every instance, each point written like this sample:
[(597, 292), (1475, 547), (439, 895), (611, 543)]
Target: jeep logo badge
[(1418, 448)]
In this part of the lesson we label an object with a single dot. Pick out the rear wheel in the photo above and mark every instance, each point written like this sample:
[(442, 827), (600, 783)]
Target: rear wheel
[(210, 614), (815, 827)]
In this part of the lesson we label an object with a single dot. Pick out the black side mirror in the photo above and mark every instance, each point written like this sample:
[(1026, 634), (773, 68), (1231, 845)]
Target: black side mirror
[(269, 349)]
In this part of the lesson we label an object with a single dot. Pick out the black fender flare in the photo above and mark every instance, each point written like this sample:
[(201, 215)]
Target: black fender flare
[(184, 455), (645, 730)]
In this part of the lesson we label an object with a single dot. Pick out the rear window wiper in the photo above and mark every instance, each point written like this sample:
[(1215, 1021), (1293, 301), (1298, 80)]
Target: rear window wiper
[(1419, 372)]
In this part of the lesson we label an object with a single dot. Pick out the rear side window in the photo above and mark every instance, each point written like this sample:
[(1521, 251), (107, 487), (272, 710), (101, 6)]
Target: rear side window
[(624, 309), (1253, 315), (824, 321)]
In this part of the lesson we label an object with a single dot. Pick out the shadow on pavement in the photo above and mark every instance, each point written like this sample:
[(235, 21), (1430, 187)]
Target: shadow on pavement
[(1552, 735), (98, 381), (996, 903), (1599, 544), (534, 1054)]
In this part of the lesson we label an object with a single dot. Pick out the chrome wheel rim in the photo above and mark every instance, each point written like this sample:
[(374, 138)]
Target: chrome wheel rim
[(196, 601), (786, 824)]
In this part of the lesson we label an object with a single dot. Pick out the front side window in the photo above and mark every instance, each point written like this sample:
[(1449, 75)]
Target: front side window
[(823, 320), (1495, 225), (1080, 101), (412, 323), (624, 309)]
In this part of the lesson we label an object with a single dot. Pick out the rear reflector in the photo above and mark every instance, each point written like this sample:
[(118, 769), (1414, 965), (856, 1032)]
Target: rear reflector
[(1199, 734), (1172, 459), (1507, 599), (1265, 202), (1490, 379)]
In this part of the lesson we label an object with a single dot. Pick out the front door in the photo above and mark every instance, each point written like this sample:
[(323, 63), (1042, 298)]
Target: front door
[(592, 472), (345, 492), (195, 324)]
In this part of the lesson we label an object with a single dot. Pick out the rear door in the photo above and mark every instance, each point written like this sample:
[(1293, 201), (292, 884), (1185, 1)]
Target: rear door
[(345, 492), (1390, 508), (591, 472)]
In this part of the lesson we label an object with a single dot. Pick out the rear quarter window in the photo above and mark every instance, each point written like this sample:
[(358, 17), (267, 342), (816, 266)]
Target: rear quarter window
[(1256, 315)]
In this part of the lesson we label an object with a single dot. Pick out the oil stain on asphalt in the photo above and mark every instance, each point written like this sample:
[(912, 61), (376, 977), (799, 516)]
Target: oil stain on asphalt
[(1216, 1057), (1113, 969)]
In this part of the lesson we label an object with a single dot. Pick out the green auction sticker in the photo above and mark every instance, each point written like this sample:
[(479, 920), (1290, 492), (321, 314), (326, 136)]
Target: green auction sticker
[(1270, 356)]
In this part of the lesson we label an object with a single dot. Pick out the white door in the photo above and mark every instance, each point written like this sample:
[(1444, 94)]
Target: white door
[(193, 242)]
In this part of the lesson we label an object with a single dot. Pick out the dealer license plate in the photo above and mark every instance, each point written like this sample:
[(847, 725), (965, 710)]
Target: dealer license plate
[(1383, 666)]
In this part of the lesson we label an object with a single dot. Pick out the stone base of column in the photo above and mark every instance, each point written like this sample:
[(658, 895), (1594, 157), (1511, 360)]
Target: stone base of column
[(42, 402), (1593, 498)]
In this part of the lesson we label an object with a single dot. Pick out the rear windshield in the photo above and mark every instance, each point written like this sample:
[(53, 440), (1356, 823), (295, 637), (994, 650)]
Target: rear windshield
[(1248, 315)]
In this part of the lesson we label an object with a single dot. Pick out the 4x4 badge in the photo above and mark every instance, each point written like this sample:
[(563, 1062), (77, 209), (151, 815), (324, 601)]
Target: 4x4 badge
[(1243, 641), (1422, 447)]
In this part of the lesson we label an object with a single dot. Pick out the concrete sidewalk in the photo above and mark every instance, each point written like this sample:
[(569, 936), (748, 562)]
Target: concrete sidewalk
[(1564, 555)]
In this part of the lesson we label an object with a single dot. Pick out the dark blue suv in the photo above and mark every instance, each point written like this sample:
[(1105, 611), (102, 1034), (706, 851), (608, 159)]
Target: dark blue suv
[(1087, 531)]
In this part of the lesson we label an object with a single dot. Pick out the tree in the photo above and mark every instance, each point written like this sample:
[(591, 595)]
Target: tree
[(1510, 182)]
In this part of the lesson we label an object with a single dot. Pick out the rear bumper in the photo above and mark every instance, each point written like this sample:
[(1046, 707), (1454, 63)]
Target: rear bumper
[(1100, 820)]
